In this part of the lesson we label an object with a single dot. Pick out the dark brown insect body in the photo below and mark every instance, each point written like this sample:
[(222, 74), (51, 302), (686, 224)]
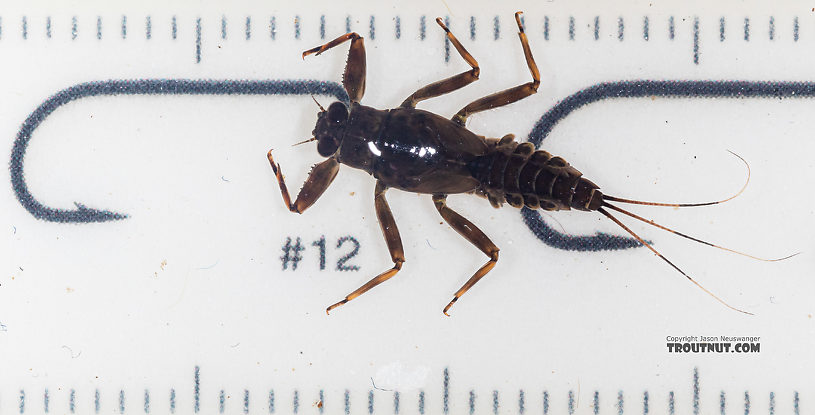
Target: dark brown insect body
[(418, 151)]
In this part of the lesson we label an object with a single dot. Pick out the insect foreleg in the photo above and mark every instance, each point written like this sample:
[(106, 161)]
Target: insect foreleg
[(392, 239), (472, 234), (450, 84), (510, 95), (354, 77), (318, 180)]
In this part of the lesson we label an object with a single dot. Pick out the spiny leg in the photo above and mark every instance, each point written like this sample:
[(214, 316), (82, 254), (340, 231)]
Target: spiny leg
[(318, 180), (354, 77), (510, 95), (394, 242), (450, 84), (470, 232)]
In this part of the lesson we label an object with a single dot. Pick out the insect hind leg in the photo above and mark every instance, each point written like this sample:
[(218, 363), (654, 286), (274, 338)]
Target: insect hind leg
[(450, 84), (472, 234), (510, 95)]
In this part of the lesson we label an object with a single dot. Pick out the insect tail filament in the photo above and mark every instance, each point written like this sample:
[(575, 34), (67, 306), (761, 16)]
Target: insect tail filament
[(639, 202), (646, 244), (675, 232)]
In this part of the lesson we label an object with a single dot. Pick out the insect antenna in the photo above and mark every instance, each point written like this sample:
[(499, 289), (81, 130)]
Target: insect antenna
[(639, 202), (304, 141), (675, 232), (318, 104), (642, 241)]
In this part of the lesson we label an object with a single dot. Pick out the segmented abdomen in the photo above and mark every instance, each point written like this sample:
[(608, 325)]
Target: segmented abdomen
[(521, 176)]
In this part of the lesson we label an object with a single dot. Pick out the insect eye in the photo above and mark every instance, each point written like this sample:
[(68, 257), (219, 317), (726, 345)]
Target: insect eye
[(327, 146), (337, 112)]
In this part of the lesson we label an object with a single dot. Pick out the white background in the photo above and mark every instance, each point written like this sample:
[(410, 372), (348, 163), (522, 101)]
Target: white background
[(193, 277)]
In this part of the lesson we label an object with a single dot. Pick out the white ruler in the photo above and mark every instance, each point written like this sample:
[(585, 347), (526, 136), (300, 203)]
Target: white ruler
[(149, 265)]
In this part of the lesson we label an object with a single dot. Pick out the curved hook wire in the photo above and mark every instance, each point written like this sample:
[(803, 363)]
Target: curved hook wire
[(84, 214)]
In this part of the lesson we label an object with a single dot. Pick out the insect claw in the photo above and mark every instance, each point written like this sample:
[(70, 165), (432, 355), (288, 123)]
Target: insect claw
[(518, 19), (449, 305), (441, 23), (327, 310)]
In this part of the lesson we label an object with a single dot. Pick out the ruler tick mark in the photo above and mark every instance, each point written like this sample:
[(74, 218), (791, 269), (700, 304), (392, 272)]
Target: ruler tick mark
[(321, 405), (322, 26), (124, 27), (772, 403), (645, 28), (620, 29), (446, 41), (74, 28), (495, 402), (198, 40), (398, 27), (372, 28), (795, 406), (172, 401), (671, 405), (521, 402), (695, 391), (472, 27), (596, 27), (570, 404), (571, 27), (620, 403), (596, 403), (746, 403), (72, 401), (248, 27), (722, 403), (370, 402), (771, 29), (222, 402), (746, 29), (246, 401), (173, 29), (545, 402), (146, 401), (271, 401), (121, 401), (422, 27), (396, 402), (671, 28), (297, 27), (272, 28), (446, 391), (795, 29), (696, 40), (48, 27), (223, 27), (472, 402), (496, 28), (148, 28), (721, 29), (645, 408), (25, 27), (347, 399), (545, 27), (196, 390)]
